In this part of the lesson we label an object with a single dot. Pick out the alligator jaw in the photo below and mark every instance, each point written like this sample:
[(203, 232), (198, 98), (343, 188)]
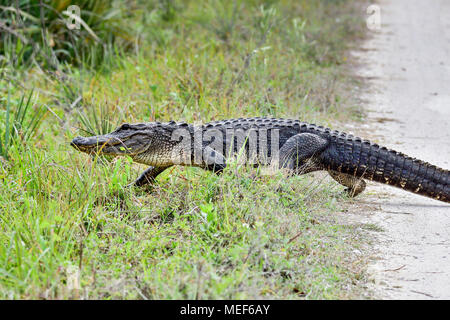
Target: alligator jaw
[(99, 144)]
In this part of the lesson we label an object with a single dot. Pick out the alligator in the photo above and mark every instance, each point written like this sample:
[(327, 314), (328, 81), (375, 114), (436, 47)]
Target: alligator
[(291, 145)]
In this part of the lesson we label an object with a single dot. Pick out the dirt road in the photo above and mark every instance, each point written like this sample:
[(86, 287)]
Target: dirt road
[(407, 68)]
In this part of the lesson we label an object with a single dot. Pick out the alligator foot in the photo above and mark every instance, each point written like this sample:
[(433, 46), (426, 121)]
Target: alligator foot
[(354, 184)]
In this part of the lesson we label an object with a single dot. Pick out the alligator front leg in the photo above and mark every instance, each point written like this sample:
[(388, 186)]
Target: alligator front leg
[(299, 153), (354, 184), (213, 160), (148, 176)]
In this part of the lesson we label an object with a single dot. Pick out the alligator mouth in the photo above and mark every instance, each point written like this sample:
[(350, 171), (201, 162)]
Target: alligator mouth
[(99, 144)]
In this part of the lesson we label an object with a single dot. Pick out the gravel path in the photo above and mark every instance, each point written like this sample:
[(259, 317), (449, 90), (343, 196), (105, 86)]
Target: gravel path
[(407, 67)]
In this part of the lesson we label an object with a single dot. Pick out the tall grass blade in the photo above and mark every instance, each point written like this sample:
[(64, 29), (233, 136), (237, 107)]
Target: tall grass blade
[(21, 129)]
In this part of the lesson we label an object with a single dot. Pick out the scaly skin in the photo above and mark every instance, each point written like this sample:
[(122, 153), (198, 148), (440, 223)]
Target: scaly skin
[(301, 147)]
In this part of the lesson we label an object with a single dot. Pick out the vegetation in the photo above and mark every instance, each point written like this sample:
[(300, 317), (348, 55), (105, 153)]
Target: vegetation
[(38, 31), (69, 228)]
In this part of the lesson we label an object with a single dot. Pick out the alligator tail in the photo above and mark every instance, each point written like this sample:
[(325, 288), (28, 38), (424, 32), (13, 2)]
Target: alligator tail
[(361, 158)]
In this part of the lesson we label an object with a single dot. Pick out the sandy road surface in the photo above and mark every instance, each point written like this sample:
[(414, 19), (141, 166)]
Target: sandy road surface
[(407, 68)]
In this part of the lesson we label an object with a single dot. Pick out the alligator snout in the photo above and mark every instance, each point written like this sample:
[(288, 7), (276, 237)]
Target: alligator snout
[(80, 141), (105, 144), (91, 143), (84, 144)]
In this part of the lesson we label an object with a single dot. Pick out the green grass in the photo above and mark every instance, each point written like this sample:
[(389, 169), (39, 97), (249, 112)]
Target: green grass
[(37, 32), (16, 128), (69, 228)]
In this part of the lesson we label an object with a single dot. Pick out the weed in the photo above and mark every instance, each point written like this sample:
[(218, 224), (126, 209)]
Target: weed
[(25, 121), (38, 31)]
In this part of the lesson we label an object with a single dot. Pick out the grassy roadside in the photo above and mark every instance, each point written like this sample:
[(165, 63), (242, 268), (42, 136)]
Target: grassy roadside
[(70, 230)]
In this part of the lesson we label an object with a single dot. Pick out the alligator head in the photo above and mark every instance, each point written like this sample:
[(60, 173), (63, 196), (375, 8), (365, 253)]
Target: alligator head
[(127, 139)]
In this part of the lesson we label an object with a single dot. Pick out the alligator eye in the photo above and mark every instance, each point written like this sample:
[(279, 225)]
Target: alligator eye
[(125, 126)]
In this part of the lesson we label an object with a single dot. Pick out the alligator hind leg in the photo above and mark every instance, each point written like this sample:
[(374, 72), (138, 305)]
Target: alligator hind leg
[(354, 184), (298, 152)]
